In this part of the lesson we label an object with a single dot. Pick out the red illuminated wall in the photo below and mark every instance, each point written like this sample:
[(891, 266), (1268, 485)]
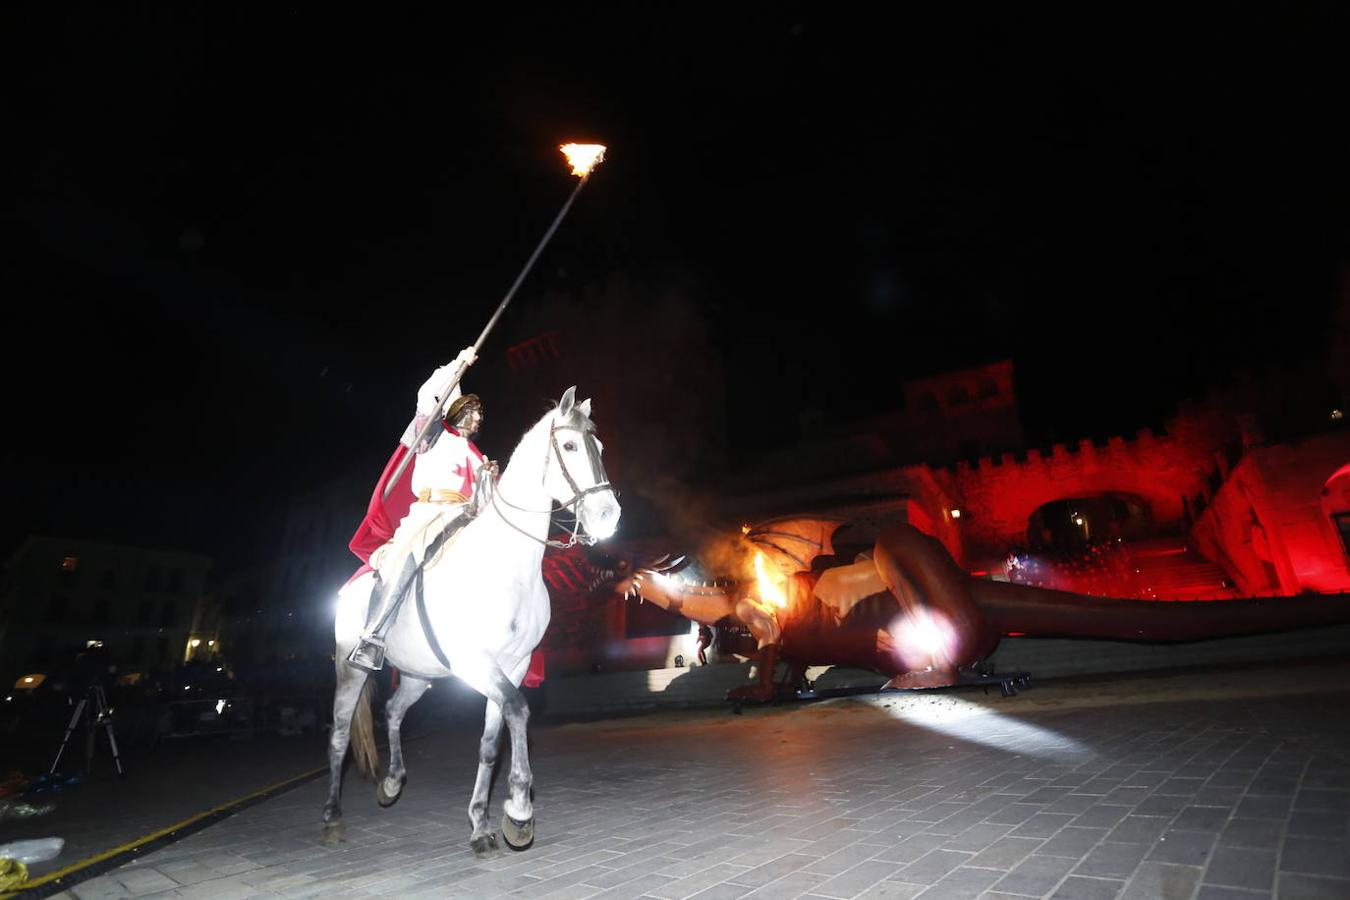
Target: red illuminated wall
[(999, 496)]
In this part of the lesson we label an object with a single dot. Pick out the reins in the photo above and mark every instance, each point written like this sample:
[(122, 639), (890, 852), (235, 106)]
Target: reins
[(555, 452)]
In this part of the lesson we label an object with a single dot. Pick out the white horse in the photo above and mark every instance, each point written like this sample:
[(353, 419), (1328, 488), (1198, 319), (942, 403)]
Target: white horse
[(477, 613)]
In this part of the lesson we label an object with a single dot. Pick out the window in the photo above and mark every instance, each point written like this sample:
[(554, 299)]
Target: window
[(109, 580), (1342, 521), (988, 388), (152, 579), (175, 581), (168, 613), (101, 609), (928, 403), (145, 612), (958, 395)]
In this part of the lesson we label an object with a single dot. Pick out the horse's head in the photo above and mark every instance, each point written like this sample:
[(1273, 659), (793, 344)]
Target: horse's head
[(575, 476)]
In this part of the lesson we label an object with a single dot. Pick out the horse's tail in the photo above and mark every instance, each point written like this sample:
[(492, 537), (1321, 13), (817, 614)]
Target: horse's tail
[(363, 734)]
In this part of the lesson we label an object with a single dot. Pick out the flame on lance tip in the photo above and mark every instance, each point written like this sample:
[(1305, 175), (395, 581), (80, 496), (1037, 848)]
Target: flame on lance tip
[(583, 157)]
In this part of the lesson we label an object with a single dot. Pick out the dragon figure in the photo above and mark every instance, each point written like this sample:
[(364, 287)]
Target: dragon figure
[(908, 611)]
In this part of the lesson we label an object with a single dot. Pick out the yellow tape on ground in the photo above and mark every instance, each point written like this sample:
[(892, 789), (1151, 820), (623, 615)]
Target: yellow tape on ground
[(154, 835)]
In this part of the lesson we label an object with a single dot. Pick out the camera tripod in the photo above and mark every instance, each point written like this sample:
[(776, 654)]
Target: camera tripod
[(95, 713)]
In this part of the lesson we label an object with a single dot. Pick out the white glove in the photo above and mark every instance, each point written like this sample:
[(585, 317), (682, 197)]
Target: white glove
[(434, 390), (430, 393)]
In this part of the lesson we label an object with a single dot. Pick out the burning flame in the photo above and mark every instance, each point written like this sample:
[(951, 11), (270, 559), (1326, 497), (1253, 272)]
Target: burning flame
[(769, 591), (583, 157)]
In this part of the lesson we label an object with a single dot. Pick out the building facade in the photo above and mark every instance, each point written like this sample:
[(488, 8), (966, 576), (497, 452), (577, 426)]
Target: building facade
[(143, 607)]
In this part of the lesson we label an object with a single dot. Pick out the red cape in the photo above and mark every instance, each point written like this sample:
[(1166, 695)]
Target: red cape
[(382, 518), (383, 515)]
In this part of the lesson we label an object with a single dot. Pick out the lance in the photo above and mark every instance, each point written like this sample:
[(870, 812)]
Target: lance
[(583, 158)]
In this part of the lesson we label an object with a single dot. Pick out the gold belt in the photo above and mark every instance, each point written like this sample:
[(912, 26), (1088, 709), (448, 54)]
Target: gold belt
[(441, 495)]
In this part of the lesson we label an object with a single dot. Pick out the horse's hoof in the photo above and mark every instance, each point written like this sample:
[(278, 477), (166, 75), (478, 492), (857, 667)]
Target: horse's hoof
[(485, 846), (518, 835), (383, 797), (333, 834)]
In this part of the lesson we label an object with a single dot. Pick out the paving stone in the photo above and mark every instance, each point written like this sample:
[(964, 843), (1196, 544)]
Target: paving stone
[(1042, 825), (931, 867), (1312, 798), (1184, 787), (1109, 860), (635, 887), (977, 837), (1241, 867), (1005, 853), (1072, 842), (854, 881), (1013, 814), (1263, 807), (1216, 892), (1319, 823), (963, 883), (1291, 886), (1162, 805), (1162, 881), (1201, 818), (144, 880), (1190, 848), (1260, 833), (1226, 777), (1101, 816), (1315, 856), (793, 885), (911, 849), (693, 883), (1076, 887), (1034, 876), (102, 888)]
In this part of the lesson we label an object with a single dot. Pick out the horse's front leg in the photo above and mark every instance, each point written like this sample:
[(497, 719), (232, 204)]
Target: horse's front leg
[(483, 841), (518, 810), (410, 690)]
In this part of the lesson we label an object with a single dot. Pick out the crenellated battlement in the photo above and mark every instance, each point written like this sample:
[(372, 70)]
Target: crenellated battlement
[(1156, 470), (1086, 450)]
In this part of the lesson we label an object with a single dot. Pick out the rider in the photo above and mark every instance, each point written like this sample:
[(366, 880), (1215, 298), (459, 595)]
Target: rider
[(443, 493)]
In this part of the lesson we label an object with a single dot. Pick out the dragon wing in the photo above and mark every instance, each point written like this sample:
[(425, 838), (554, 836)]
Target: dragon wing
[(792, 543)]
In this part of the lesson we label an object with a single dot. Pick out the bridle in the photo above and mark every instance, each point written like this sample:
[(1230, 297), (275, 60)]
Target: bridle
[(578, 493)]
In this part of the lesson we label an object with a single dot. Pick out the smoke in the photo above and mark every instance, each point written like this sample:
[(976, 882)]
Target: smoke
[(691, 520)]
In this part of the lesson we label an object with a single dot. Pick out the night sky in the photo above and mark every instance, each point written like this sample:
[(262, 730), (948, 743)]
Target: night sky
[(238, 241)]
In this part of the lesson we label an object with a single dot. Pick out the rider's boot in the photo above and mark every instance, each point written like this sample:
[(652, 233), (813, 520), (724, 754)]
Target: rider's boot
[(369, 651)]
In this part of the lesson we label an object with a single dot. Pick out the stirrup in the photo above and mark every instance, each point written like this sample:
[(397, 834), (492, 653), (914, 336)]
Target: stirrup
[(368, 655)]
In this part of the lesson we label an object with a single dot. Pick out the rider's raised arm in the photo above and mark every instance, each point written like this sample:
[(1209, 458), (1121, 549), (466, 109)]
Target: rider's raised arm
[(436, 393)]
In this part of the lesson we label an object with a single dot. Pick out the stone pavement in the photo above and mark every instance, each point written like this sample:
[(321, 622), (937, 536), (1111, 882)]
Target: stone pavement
[(1217, 785)]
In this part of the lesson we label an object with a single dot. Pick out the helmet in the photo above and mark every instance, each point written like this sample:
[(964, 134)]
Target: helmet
[(457, 407)]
